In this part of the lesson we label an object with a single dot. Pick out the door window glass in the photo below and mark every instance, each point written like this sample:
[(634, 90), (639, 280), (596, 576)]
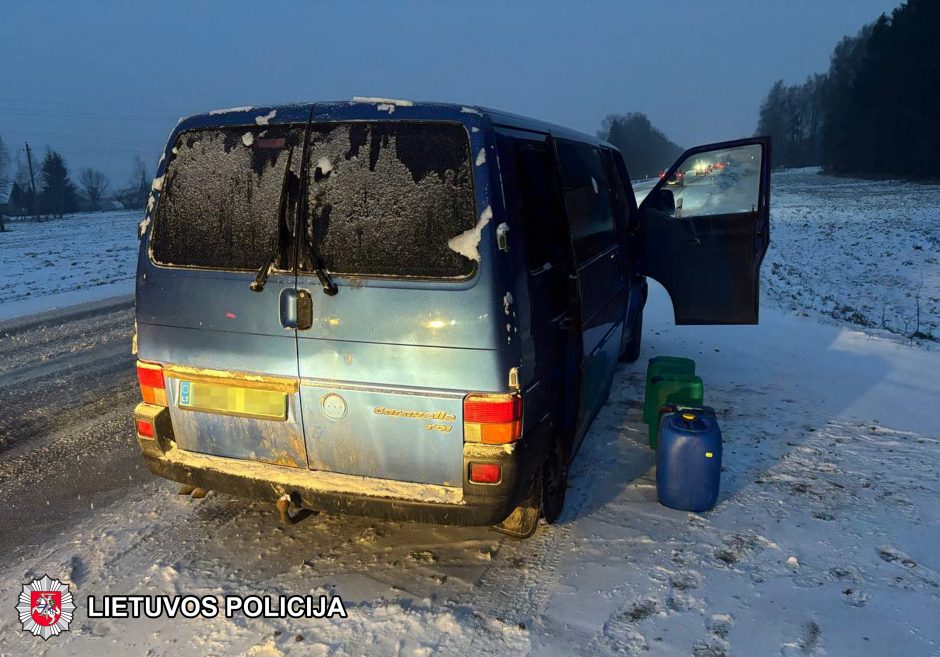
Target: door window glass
[(540, 206), (587, 197), (725, 181), (621, 207)]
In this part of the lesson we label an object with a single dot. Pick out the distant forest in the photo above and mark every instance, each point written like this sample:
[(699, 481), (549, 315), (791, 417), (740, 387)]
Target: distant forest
[(876, 112)]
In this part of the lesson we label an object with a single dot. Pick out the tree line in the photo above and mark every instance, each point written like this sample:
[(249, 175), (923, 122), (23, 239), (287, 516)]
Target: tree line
[(874, 112), (49, 190), (646, 150)]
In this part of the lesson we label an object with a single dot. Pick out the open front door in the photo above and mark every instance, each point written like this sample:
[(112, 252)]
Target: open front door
[(705, 228)]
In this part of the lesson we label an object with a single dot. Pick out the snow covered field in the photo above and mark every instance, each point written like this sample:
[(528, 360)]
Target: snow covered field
[(823, 541), (855, 251), (65, 261)]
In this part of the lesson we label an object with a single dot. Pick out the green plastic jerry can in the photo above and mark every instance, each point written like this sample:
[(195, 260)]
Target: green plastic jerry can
[(659, 367), (681, 389)]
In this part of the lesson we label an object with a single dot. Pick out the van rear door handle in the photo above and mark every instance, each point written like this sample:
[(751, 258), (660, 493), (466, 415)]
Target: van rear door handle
[(296, 309), (304, 310), (288, 308)]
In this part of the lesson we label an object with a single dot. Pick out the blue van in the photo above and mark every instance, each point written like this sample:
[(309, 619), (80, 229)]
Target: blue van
[(413, 310)]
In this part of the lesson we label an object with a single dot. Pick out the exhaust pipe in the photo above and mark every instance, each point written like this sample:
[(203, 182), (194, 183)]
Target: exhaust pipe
[(283, 505)]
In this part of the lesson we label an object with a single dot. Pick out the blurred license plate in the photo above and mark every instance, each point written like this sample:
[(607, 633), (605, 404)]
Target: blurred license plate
[(232, 400)]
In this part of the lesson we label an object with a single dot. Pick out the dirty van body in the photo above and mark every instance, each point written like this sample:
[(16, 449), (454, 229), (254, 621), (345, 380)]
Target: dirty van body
[(410, 310)]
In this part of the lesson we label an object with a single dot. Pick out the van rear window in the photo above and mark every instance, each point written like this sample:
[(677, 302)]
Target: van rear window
[(219, 199), (384, 198)]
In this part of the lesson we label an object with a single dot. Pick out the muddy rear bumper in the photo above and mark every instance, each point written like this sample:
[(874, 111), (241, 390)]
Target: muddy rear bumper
[(471, 504)]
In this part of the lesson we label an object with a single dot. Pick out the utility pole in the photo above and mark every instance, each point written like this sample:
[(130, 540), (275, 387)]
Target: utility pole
[(32, 182)]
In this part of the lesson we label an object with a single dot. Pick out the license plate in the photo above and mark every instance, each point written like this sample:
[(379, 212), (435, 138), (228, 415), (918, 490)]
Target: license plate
[(233, 400)]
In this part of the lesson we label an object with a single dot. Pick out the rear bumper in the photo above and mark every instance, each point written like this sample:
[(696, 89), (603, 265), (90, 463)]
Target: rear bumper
[(473, 504)]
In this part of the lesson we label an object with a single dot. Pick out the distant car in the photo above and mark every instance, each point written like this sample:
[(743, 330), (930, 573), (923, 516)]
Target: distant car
[(702, 168), (677, 180)]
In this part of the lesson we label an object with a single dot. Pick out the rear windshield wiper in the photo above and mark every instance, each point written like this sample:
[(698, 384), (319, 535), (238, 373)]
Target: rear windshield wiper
[(326, 281), (258, 284), (329, 287)]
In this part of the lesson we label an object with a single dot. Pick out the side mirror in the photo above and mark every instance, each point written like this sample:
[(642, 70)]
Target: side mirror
[(662, 200)]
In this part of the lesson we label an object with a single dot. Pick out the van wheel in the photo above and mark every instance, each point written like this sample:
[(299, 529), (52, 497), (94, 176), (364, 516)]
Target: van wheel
[(630, 349), (524, 519), (554, 481)]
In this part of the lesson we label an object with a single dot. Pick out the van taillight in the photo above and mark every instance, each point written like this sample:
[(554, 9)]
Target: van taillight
[(145, 428), (492, 419), (484, 473), (152, 388)]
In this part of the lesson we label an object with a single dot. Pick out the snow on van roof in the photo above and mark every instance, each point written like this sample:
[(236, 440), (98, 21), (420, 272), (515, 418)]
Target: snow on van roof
[(263, 120), (382, 101), (230, 109)]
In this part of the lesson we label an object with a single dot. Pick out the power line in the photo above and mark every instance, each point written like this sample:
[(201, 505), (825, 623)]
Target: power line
[(110, 117), (39, 101), (128, 140)]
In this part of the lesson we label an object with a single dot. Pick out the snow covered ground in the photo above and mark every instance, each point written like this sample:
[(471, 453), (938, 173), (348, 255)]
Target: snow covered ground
[(823, 541), (859, 252), (62, 262)]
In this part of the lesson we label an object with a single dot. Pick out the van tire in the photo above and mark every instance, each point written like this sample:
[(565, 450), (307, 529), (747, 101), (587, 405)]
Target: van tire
[(554, 481), (630, 349)]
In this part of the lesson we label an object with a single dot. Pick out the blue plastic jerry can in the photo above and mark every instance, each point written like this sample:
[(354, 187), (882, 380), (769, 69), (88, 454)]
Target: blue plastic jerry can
[(688, 460)]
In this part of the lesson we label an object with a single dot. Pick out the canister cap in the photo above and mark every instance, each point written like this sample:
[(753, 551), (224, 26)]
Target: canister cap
[(688, 416)]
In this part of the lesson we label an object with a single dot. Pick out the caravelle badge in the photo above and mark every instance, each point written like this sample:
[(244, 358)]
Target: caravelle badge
[(45, 607)]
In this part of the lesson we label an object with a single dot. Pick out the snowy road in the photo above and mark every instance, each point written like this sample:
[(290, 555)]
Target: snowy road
[(823, 541), (66, 384)]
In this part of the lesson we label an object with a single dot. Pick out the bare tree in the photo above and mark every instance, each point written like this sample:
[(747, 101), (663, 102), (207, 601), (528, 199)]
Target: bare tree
[(4, 160), (95, 185), (5, 182)]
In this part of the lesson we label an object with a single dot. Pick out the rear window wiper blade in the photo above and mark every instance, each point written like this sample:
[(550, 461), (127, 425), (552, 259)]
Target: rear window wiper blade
[(258, 284), (301, 222), (329, 287)]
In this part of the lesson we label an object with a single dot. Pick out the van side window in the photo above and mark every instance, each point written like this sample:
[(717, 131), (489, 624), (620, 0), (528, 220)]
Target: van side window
[(539, 201), (587, 197), (619, 196)]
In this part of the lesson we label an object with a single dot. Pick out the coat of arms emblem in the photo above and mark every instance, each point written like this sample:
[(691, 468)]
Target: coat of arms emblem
[(45, 607)]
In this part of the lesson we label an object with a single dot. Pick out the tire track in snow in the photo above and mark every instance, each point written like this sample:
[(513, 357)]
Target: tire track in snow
[(67, 389), (518, 587)]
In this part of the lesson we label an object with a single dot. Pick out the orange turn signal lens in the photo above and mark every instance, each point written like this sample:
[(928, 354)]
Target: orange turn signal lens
[(152, 387), (493, 419)]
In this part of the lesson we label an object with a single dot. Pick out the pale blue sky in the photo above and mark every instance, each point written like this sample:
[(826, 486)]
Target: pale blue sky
[(101, 81)]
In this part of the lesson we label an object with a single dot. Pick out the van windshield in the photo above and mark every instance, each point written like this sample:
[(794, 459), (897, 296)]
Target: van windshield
[(384, 198)]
